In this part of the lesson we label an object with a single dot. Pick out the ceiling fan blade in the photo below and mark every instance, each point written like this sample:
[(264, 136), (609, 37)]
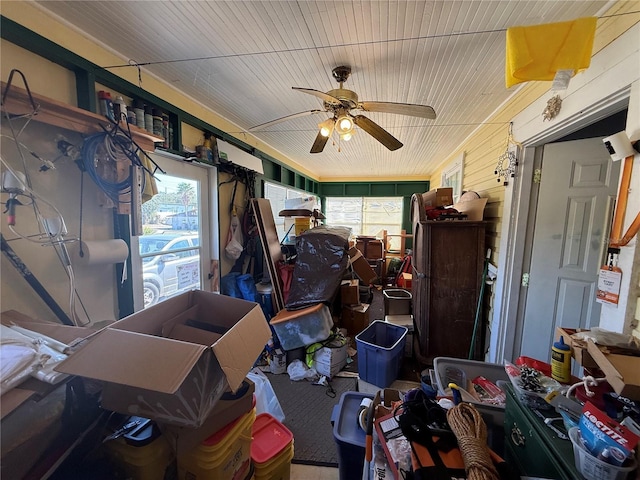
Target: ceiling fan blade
[(423, 111), (284, 119), (317, 93), (319, 143), (377, 132)]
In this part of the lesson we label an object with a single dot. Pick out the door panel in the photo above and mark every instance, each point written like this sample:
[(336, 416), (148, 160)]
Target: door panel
[(578, 183)]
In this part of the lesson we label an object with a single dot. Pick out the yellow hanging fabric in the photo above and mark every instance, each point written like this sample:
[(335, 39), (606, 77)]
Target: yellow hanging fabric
[(539, 51)]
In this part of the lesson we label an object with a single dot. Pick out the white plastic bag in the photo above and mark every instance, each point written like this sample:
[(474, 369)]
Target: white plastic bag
[(234, 247), (266, 399), (298, 370)]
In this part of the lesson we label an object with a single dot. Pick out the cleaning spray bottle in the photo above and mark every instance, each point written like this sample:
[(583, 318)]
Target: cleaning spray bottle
[(561, 361)]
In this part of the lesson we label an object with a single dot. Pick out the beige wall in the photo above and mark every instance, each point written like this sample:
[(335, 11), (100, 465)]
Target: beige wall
[(484, 147)]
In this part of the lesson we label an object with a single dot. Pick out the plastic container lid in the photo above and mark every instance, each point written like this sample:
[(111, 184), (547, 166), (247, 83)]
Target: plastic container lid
[(270, 437), (346, 429)]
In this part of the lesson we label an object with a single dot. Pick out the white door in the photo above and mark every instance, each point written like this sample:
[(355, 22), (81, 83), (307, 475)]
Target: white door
[(577, 190), (173, 253)]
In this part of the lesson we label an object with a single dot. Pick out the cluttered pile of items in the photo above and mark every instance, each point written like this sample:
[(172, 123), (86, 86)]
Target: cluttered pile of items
[(318, 299), (165, 391), (478, 420)]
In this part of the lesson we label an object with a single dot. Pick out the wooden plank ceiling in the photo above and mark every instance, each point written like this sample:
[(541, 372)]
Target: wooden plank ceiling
[(241, 58)]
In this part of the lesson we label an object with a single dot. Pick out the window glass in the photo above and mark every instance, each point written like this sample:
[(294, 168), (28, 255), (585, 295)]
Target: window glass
[(367, 216), (171, 226)]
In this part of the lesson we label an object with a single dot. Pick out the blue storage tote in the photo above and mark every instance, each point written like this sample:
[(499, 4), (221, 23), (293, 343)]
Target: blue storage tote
[(380, 349), (349, 437)]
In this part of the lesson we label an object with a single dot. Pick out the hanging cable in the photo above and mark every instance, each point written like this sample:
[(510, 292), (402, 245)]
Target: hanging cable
[(100, 154)]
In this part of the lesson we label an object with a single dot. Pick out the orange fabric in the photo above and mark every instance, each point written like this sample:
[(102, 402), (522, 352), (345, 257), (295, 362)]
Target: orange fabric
[(451, 459)]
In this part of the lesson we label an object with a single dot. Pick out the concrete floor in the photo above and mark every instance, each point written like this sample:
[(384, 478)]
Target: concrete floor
[(304, 472)]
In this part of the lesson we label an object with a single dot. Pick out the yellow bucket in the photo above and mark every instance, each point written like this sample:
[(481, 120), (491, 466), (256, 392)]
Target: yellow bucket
[(272, 449), (147, 462), (278, 468), (225, 455)]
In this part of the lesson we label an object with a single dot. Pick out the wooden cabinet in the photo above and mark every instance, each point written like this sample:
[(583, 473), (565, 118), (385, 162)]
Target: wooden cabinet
[(448, 261)]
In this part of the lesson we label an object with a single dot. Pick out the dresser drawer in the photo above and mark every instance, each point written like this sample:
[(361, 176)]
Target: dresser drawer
[(531, 446)]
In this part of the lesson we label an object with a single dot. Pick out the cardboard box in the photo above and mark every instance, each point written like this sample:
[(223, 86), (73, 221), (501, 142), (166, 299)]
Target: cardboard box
[(473, 208), (329, 360), (350, 292), (355, 318), (370, 247), (578, 347), (173, 361), (405, 280), (622, 371), (229, 408), (374, 250), (438, 197), (361, 266)]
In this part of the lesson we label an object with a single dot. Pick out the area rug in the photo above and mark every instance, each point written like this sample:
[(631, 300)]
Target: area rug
[(307, 409)]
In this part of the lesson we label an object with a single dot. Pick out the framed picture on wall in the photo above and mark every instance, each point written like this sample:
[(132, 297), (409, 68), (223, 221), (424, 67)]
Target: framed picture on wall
[(452, 176)]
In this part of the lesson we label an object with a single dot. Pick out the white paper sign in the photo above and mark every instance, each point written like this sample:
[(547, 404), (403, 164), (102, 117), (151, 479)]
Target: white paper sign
[(609, 285)]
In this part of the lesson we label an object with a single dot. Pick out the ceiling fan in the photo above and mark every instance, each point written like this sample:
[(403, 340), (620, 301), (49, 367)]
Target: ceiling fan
[(340, 102)]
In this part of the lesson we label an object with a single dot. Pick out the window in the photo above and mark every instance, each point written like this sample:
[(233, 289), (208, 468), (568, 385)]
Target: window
[(174, 222), (452, 176), (277, 196), (366, 216)]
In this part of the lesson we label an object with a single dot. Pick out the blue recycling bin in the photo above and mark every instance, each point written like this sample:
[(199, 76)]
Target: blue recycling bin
[(350, 438)]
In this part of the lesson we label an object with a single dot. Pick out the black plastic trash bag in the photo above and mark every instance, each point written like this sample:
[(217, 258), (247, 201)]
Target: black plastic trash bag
[(321, 262)]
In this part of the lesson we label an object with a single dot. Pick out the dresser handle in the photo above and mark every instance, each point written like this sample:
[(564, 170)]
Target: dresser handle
[(516, 436)]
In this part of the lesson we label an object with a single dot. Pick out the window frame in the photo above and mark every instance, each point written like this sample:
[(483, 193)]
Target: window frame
[(453, 176)]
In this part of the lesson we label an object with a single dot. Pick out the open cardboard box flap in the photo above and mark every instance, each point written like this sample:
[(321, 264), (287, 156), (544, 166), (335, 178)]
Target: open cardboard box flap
[(622, 371), (63, 333), (175, 380)]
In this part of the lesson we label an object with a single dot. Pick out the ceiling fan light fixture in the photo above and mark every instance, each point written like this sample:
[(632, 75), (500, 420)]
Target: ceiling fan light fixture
[(344, 124), (326, 127), (347, 136)]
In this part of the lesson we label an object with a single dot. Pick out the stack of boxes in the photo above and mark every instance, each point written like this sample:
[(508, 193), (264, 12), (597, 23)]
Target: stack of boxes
[(194, 389), (373, 251)]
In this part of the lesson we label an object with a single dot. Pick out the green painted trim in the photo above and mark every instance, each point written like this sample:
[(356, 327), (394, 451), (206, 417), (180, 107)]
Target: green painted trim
[(372, 189), (85, 90)]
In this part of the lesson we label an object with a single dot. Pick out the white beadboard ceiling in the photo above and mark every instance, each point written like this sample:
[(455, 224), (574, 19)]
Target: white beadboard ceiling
[(241, 58)]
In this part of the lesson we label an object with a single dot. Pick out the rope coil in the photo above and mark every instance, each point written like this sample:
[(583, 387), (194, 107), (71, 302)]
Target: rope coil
[(471, 431)]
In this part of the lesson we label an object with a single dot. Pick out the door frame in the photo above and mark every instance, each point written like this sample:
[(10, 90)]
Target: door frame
[(611, 83), (208, 221), (518, 221)]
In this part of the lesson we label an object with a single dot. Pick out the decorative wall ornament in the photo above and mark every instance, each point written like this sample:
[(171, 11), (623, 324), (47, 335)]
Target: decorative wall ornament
[(554, 104), (508, 161)]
